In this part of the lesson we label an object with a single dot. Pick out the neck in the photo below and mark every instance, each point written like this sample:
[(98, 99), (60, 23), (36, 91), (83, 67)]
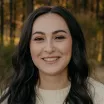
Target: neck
[(53, 82)]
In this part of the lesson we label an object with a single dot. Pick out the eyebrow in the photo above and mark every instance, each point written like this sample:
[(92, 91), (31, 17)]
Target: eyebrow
[(54, 32)]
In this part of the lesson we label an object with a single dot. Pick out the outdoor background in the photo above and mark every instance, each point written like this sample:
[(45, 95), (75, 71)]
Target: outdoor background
[(89, 13)]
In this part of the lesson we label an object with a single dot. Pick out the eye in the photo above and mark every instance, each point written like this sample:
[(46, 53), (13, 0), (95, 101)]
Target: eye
[(60, 37), (39, 39)]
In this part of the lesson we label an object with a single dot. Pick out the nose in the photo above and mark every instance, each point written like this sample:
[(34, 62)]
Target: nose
[(49, 47)]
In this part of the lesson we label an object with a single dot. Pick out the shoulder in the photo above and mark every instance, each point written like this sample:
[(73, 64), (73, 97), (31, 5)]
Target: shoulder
[(6, 99), (97, 91)]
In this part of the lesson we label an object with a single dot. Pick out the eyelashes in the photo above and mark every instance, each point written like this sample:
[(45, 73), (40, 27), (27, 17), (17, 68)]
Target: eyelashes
[(60, 37), (38, 39), (56, 38)]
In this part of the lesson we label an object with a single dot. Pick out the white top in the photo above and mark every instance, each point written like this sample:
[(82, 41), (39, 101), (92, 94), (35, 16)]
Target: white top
[(58, 96), (51, 96), (97, 91)]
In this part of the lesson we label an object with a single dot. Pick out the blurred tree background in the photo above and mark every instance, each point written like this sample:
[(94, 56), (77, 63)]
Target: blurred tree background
[(89, 13)]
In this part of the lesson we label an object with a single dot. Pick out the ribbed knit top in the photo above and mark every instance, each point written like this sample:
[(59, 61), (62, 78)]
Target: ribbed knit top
[(52, 96)]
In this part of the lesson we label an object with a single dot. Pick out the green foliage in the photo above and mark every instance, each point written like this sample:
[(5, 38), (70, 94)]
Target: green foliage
[(6, 53), (5, 64)]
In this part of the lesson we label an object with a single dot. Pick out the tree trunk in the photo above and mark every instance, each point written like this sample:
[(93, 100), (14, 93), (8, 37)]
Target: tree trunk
[(2, 20), (103, 35), (85, 5), (92, 6), (74, 5), (11, 20), (97, 8), (67, 4), (49, 2), (58, 1), (78, 6), (14, 18), (28, 7), (103, 48)]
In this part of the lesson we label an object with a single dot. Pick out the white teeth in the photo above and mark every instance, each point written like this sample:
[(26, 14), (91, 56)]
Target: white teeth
[(50, 59)]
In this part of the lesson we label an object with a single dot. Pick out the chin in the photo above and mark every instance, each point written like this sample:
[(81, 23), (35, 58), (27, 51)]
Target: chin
[(52, 72)]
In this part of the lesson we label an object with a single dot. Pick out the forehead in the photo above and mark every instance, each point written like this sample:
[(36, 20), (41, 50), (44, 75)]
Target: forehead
[(49, 22)]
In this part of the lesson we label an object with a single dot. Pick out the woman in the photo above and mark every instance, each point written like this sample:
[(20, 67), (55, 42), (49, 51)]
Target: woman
[(50, 62)]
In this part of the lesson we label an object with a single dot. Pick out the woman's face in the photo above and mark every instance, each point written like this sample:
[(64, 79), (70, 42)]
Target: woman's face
[(51, 44)]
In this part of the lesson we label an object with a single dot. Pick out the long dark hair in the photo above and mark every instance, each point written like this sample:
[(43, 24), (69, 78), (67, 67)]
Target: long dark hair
[(22, 87)]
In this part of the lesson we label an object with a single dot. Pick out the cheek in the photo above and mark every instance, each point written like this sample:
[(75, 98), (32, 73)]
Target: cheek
[(67, 47), (34, 50)]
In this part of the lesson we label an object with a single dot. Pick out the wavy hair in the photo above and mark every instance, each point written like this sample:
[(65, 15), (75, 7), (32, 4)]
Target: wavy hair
[(21, 89)]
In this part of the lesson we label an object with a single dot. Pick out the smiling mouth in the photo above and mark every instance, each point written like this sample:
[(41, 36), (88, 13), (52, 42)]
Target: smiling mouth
[(51, 60)]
